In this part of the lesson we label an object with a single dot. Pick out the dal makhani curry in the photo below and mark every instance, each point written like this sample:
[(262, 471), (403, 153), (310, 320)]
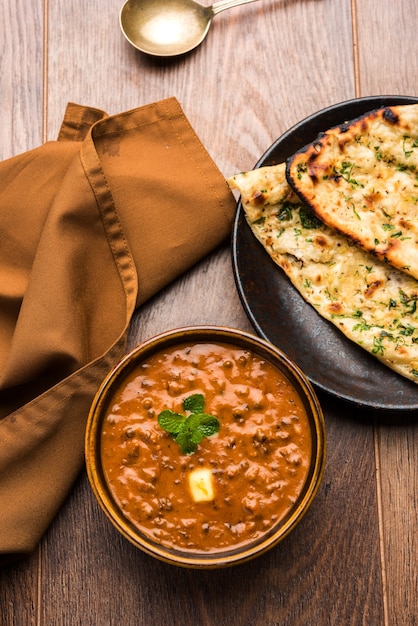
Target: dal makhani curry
[(205, 447)]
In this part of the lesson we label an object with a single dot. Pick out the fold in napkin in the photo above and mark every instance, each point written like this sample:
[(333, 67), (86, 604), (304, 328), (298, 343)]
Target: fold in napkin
[(91, 226)]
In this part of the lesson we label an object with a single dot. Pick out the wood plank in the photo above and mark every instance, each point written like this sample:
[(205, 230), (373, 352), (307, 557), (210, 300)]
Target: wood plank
[(21, 90), (387, 65), (397, 439), (21, 76), (19, 584), (387, 47)]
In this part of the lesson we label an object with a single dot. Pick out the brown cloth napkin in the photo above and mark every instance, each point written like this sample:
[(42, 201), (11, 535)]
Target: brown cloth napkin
[(91, 226)]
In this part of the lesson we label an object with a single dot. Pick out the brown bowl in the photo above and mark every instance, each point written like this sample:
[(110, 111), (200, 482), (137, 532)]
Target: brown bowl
[(102, 448)]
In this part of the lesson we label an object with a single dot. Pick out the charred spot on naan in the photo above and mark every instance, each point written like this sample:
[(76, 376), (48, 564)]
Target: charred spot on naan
[(390, 116)]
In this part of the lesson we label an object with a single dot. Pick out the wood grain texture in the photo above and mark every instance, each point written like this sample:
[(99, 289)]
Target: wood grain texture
[(21, 115), (387, 53), (352, 561), (21, 76), (387, 47), (397, 449)]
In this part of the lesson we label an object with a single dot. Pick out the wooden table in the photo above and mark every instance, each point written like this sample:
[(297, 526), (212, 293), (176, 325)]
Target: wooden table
[(354, 558)]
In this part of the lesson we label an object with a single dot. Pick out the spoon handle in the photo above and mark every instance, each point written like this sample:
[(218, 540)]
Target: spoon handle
[(227, 4)]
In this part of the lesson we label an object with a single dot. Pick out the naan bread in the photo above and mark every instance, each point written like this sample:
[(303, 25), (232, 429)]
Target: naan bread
[(372, 303), (361, 178)]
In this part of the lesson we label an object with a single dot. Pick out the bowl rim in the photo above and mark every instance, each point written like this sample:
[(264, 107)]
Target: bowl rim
[(204, 334)]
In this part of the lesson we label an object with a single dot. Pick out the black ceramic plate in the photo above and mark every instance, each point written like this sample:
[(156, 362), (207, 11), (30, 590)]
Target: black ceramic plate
[(280, 315)]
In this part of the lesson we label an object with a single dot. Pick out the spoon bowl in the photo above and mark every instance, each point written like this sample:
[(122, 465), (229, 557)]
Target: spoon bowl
[(169, 27)]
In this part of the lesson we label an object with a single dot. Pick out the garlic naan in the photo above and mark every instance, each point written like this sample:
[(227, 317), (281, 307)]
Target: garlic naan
[(372, 303), (361, 178)]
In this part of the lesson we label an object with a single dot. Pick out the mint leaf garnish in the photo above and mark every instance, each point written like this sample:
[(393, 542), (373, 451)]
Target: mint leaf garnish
[(171, 422), (189, 430), (208, 425), (194, 403), (186, 443)]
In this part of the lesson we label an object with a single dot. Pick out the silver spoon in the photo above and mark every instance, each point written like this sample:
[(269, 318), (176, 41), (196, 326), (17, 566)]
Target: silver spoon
[(169, 27)]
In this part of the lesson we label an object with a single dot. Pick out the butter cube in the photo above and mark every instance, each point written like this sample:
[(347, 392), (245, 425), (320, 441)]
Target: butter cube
[(201, 485)]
